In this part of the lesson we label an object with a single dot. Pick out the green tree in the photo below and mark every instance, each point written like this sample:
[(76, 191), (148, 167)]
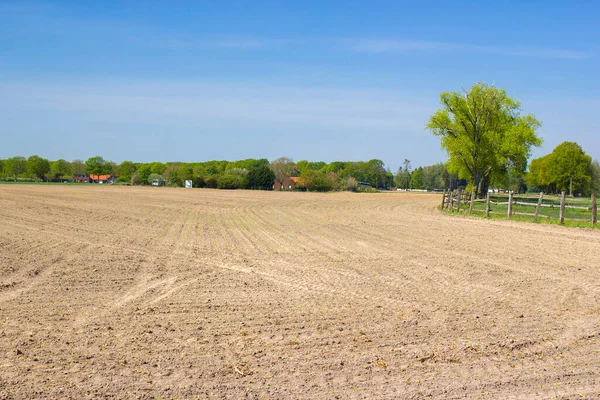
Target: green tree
[(227, 181), (126, 170), (335, 166), (240, 177), (211, 181), (60, 168), (433, 176), (316, 181), (172, 175), (261, 178), (538, 177), (15, 166), (416, 179), (186, 172), (158, 168), (97, 165), (38, 167), (484, 134), (404, 174), (143, 171), (77, 167), (569, 168), (302, 166), (595, 177)]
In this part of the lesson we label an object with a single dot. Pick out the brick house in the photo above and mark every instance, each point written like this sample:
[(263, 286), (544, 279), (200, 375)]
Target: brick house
[(288, 184)]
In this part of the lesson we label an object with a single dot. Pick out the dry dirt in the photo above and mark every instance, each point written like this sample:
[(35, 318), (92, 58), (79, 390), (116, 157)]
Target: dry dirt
[(119, 292)]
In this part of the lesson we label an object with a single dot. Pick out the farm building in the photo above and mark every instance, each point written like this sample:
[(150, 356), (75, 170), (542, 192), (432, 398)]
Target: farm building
[(81, 179), (103, 178), (288, 184)]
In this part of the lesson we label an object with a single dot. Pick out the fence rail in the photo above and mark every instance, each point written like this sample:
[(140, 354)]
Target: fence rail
[(559, 208)]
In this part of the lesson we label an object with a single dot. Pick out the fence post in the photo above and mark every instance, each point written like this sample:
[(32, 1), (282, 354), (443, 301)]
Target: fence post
[(539, 204), (562, 208), (594, 210), (472, 202), (510, 201), (459, 199), (449, 200), (487, 205), (443, 198)]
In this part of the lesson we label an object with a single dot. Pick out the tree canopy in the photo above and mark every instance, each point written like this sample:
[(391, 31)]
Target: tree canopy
[(484, 134), (98, 166), (15, 166), (261, 177), (60, 168), (567, 168)]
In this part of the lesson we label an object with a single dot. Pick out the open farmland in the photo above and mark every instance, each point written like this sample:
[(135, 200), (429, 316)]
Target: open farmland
[(120, 292)]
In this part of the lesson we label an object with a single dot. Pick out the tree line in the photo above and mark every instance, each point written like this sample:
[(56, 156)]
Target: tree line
[(242, 174)]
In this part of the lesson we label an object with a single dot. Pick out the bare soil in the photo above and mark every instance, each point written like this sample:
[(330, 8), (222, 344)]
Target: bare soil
[(120, 292)]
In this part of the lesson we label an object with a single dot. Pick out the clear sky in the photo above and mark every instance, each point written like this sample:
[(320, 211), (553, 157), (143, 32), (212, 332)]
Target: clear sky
[(317, 80)]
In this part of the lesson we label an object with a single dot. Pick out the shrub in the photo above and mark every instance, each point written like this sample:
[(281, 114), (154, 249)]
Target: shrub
[(211, 181), (136, 179), (227, 182), (155, 180), (351, 184)]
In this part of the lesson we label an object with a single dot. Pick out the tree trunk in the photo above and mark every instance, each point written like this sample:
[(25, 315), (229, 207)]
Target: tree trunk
[(481, 187), (571, 186)]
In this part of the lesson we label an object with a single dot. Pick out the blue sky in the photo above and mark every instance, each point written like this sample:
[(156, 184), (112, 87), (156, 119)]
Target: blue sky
[(334, 80)]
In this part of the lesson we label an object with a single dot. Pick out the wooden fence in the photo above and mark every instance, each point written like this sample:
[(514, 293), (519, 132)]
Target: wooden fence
[(536, 207)]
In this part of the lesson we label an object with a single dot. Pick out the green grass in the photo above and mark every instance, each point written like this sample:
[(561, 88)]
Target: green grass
[(40, 183)]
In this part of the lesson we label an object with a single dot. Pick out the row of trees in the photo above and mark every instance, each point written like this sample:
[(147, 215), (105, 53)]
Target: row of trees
[(243, 174), (430, 177), (337, 175), (38, 168)]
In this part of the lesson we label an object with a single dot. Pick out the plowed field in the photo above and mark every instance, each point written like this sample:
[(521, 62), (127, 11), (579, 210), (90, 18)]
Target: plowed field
[(120, 292)]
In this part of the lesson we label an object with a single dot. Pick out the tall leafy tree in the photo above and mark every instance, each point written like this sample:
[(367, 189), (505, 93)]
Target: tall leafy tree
[(15, 166), (144, 171), (417, 179), (571, 168), (78, 167), (404, 175), (261, 177), (567, 168), (97, 165), (38, 167), (60, 168), (484, 134), (126, 170)]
